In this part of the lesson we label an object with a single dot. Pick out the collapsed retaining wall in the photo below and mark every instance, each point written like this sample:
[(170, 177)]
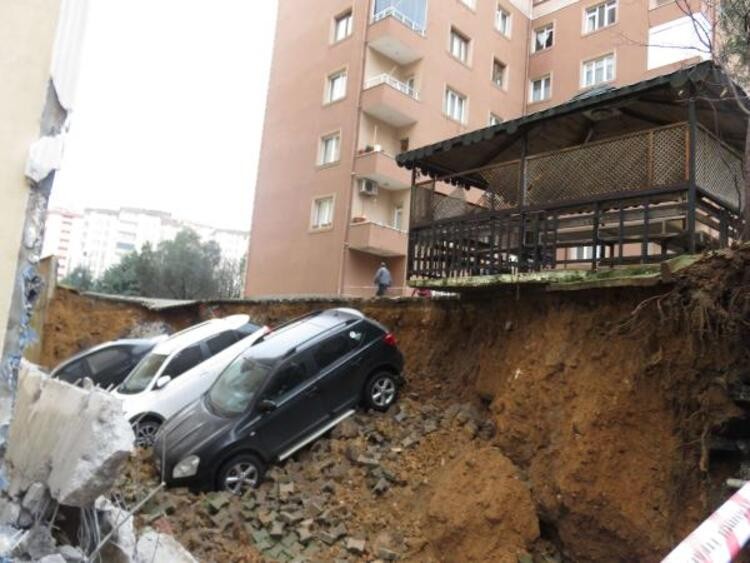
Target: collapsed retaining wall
[(607, 426)]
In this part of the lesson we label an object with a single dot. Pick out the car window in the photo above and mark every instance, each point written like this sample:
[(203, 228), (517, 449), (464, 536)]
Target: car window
[(140, 378), (73, 372), (184, 360), (237, 386), (335, 347), (107, 359), (288, 378), (246, 330), (221, 341)]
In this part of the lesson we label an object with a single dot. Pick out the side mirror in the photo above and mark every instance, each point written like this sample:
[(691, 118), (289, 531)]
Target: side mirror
[(267, 405), (162, 381)]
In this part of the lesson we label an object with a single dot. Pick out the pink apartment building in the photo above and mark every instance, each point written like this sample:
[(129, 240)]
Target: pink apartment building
[(355, 82)]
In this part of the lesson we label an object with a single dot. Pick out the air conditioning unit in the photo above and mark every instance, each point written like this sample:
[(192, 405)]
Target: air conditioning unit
[(368, 187)]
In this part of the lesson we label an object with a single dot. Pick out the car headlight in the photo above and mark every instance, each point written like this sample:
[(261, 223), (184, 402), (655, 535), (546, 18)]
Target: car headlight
[(186, 468)]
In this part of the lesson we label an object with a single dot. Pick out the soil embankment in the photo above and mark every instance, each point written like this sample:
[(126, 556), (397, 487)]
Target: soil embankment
[(594, 421)]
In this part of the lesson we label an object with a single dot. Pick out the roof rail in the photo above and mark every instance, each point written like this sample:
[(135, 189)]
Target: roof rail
[(302, 344), (287, 323)]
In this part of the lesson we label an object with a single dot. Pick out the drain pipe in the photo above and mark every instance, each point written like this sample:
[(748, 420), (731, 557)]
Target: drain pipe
[(355, 134)]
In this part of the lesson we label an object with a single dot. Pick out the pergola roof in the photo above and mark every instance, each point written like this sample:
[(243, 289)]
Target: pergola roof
[(595, 115)]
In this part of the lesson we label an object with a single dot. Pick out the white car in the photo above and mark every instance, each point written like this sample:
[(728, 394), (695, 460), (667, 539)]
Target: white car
[(180, 369)]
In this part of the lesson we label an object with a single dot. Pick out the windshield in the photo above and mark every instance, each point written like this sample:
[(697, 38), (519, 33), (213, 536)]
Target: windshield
[(142, 374), (237, 385)]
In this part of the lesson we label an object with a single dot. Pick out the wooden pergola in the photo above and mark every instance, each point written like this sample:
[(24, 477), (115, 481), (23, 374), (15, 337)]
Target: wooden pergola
[(636, 174)]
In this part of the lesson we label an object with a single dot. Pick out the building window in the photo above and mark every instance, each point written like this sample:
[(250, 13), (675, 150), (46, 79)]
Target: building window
[(495, 120), (336, 86), (459, 46), (342, 26), (601, 15), (597, 71), (544, 37), (329, 148), (541, 88), (455, 105), (398, 217), (498, 73), (502, 20), (322, 213)]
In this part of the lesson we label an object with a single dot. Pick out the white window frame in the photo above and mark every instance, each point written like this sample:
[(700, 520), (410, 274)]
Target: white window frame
[(331, 86), (316, 224), (471, 4), (459, 45), (535, 45), (451, 104), (547, 90), (494, 120), (503, 15), (607, 65), (591, 16), (504, 82), (324, 159), (347, 17)]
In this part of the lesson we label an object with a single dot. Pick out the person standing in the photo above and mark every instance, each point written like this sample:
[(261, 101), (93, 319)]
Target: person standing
[(382, 279)]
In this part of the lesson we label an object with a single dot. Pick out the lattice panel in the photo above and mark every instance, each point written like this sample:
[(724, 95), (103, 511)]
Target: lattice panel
[(503, 185), (615, 165), (421, 201), (451, 205), (668, 163), (718, 170)]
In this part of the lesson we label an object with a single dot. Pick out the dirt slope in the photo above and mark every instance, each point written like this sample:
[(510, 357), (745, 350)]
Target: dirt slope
[(601, 416)]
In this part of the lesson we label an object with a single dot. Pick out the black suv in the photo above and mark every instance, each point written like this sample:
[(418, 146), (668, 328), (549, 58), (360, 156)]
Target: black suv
[(301, 380)]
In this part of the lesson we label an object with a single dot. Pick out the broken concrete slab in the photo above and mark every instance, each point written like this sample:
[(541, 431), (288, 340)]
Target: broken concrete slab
[(75, 441), (36, 498), (121, 547), (154, 547)]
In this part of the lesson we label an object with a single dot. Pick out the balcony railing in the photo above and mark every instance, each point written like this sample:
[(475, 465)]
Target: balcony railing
[(629, 197), (395, 13), (393, 83)]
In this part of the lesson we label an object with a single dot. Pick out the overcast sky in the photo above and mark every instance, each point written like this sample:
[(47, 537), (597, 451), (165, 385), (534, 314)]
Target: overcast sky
[(169, 108)]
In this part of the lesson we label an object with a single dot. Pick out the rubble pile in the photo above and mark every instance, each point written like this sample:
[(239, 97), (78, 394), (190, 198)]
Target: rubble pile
[(66, 446), (347, 497)]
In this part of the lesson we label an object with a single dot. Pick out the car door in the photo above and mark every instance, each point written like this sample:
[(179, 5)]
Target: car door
[(338, 360), (298, 410), (110, 366)]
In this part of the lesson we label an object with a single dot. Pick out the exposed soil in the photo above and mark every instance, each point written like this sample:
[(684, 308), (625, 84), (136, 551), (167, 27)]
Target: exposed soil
[(602, 400)]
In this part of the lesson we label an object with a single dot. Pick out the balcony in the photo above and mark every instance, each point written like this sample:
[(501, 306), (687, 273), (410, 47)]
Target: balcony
[(377, 239), (390, 100), (381, 168), (396, 36)]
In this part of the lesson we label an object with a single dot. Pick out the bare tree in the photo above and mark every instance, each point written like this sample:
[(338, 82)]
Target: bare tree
[(723, 30)]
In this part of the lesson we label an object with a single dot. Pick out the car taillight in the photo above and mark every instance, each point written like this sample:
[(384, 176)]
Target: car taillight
[(390, 339)]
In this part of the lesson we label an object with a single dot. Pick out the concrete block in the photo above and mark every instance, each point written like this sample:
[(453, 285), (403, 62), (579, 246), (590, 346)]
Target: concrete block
[(74, 441), (122, 546), (71, 553), (54, 558), (154, 547), (36, 498)]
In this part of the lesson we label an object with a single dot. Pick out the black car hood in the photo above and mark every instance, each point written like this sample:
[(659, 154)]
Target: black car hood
[(189, 431)]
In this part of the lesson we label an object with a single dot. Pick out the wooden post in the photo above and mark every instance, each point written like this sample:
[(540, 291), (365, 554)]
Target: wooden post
[(410, 255), (595, 245), (692, 197), (522, 185)]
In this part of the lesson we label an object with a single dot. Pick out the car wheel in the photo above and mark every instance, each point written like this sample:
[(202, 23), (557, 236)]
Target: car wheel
[(145, 432), (240, 474), (381, 391)]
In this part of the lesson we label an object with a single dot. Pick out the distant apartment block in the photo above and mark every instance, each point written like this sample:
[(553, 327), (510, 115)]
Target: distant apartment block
[(356, 82), (99, 238)]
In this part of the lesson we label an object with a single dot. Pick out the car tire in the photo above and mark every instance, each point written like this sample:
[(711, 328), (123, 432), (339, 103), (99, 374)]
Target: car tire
[(381, 391), (145, 432), (240, 474)]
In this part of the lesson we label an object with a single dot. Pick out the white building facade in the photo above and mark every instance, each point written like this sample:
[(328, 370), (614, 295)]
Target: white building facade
[(99, 238)]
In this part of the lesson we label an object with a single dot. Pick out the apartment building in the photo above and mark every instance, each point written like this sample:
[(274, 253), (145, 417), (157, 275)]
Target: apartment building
[(63, 232), (356, 82), (99, 238)]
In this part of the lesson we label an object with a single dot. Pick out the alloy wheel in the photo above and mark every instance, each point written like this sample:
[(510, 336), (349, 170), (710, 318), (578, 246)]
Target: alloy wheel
[(145, 433), (241, 477), (383, 391)]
